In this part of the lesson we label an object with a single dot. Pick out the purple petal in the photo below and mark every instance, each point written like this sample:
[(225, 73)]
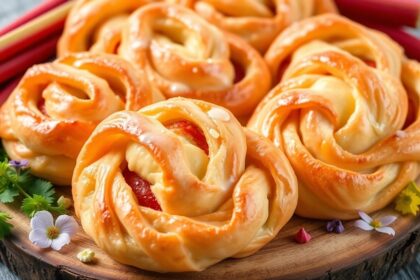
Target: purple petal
[(362, 225), (365, 217), (387, 230), (18, 164), (331, 225), (39, 238), (67, 224), (60, 241), (42, 220), (335, 226), (339, 228), (387, 220)]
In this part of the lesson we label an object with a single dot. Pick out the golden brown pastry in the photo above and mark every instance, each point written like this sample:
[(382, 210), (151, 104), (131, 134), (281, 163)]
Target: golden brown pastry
[(179, 186), (56, 106), (95, 25), (258, 21), (187, 56), (346, 113)]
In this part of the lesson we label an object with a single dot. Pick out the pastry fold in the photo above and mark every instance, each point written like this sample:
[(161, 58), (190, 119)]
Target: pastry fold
[(225, 201), (258, 22), (56, 106), (346, 113), (186, 56), (95, 25)]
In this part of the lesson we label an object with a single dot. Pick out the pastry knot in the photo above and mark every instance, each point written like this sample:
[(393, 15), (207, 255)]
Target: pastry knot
[(57, 105), (181, 185), (345, 111), (186, 56)]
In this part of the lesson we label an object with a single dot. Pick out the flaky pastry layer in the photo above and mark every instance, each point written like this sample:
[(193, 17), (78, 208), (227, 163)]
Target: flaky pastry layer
[(229, 203)]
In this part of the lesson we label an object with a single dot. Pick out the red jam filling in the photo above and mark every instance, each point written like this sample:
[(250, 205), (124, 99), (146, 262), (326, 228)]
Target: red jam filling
[(192, 132), (141, 189), (370, 63), (239, 72), (41, 106)]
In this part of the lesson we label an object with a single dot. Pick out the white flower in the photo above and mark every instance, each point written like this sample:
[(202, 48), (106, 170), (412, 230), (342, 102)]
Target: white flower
[(380, 225), (46, 234)]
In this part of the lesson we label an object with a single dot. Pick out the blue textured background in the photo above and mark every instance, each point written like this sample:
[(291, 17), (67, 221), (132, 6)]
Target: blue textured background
[(11, 9)]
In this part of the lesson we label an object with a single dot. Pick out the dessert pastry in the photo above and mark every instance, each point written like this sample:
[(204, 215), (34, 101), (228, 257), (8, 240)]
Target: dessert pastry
[(346, 113), (256, 21), (56, 106), (186, 56), (181, 185), (95, 25)]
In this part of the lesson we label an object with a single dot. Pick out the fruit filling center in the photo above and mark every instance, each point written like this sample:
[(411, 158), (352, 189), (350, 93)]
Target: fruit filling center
[(190, 131), (141, 187)]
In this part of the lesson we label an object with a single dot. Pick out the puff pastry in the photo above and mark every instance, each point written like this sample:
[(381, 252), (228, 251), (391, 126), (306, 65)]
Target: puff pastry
[(56, 106), (256, 21), (181, 185), (186, 56), (346, 112), (95, 25)]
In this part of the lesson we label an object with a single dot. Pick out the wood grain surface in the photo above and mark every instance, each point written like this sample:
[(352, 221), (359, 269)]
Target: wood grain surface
[(328, 255)]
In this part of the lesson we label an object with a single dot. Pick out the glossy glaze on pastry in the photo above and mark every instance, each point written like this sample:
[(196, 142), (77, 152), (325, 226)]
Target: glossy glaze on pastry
[(181, 185), (186, 56), (95, 25), (258, 22), (346, 114), (56, 106)]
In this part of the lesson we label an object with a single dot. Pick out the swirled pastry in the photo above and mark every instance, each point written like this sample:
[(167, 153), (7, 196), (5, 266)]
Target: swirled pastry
[(56, 106), (187, 56), (346, 113), (179, 186), (95, 25), (256, 21)]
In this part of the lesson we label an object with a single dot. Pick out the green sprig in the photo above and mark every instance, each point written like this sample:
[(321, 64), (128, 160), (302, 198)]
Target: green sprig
[(5, 226), (35, 194)]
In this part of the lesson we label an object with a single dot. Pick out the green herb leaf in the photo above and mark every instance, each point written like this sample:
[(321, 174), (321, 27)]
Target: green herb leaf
[(38, 194), (3, 154), (8, 195), (5, 226), (42, 188), (4, 168), (31, 205), (25, 178)]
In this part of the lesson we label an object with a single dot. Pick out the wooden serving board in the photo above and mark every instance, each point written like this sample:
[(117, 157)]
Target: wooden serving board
[(354, 253)]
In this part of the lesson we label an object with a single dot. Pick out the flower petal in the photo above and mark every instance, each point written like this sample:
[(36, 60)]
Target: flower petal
[(387, 230), (60, 241), (42, 220), (365, 217), (362, 225), (39, 238), (387, 220), (67, 224)]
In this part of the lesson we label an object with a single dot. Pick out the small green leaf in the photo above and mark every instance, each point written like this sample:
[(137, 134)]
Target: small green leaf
[(3, 154), (4, 167), (25, 178), (42, 188), (5, 226), (31, 205), (8, 195)]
